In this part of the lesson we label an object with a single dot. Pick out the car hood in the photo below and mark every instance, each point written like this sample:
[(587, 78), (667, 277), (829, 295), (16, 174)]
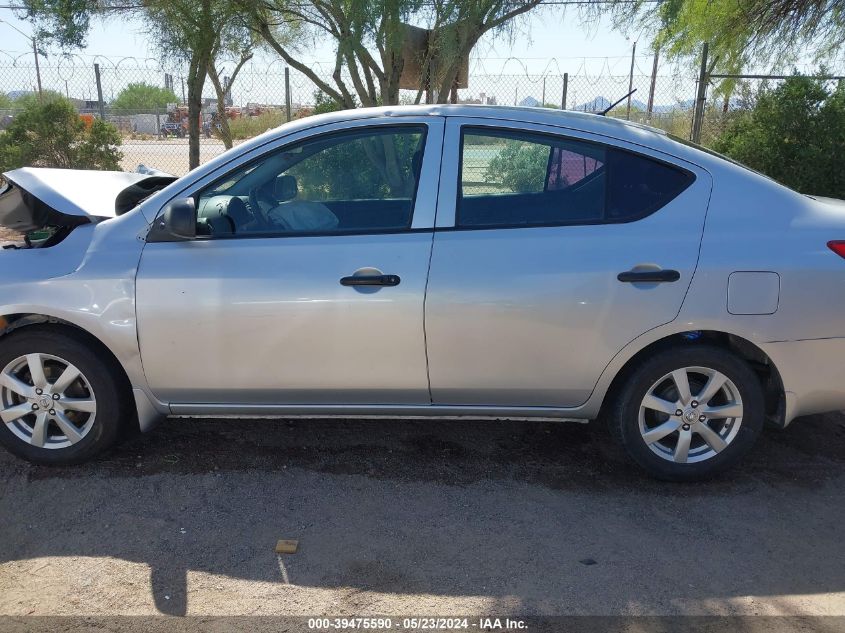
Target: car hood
[(37, 197)]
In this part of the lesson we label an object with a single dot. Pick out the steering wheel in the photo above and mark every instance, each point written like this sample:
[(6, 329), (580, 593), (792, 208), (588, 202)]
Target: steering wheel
[(258, 212)]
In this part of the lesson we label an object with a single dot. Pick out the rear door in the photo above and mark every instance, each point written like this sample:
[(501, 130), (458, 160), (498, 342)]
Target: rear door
[(554, 249)]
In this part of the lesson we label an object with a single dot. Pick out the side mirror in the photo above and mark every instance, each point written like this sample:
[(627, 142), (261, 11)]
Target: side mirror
[(177, 222)]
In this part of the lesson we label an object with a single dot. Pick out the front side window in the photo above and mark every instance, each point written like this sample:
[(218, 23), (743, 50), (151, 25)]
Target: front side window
[(350, 182), (512, 178)]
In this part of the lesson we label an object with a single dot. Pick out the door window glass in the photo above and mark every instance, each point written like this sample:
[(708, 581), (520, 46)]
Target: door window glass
[(512, 178), (358, 181)]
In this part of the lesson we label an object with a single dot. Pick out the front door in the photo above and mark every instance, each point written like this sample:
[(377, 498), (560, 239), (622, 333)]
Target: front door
[(525, 305), (307, 282)]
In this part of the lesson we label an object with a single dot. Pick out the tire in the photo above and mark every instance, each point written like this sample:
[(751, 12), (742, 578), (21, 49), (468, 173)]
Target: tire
[(640, 429), (100, 389)]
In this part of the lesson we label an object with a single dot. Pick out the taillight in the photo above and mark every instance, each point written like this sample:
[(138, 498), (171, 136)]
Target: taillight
[(837, 246)]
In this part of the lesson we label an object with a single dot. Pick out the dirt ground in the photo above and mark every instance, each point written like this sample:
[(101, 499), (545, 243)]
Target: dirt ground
[(421, 517), (7, 235)]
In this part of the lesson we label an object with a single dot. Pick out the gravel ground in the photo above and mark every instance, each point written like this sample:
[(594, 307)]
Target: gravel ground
[(170, 155), (423, 517)]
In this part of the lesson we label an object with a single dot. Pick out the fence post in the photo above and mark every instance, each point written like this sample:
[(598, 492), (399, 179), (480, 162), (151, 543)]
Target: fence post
[(100, 102), (287, 91), (37, 70), (698, 115), (631, 81), (158, 123), (543, 100), (650, 107), (565, 89)]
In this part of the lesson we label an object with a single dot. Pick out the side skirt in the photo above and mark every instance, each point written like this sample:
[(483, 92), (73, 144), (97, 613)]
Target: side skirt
[(378, 411)]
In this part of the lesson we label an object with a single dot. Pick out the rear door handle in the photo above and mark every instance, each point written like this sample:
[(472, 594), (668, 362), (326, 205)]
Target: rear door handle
[(648, 276), (371, 280)]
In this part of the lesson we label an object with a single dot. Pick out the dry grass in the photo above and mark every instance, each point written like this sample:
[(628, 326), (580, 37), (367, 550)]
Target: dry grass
[(6, 235)]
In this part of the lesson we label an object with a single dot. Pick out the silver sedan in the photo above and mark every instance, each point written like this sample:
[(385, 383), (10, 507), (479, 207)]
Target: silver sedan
[(444, 261)]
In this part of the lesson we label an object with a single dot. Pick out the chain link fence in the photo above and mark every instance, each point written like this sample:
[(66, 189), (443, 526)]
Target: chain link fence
[(729, 98), (155, 135)]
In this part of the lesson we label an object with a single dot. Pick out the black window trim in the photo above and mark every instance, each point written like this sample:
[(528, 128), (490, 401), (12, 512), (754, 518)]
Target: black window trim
[(325, 135), (480, 129)]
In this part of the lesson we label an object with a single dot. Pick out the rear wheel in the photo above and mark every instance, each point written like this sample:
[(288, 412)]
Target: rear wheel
[(688, 413), (59, 402)]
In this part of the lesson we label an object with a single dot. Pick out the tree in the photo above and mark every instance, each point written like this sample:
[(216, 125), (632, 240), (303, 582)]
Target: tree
[(239, 42), (143, 96), (742, 32), (369, 37), (53, 135), (793, 133), (186, 30), (5, 102)]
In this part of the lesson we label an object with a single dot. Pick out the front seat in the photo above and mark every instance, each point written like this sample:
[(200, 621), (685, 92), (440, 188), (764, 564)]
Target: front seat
[(300, 216)]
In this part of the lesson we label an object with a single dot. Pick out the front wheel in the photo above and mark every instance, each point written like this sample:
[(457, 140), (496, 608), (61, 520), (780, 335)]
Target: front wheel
[(60, 402), (688, 413)]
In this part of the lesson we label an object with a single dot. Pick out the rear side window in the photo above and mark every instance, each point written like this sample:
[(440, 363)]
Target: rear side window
[(511, 178)]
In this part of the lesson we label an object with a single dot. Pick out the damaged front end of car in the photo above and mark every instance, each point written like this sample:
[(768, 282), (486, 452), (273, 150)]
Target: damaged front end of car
[(40, 207)]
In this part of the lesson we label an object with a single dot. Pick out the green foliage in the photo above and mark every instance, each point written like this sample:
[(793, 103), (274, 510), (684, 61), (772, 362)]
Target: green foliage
[(369, 168), (741, 32), (323, 103), (143, 96), (5, 102), (61, 22), (519, 166), (53, 135), (794, 133), (31, 99)]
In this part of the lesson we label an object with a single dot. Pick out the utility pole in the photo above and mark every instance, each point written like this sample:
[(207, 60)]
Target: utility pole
[(631, 80), (35, 54)]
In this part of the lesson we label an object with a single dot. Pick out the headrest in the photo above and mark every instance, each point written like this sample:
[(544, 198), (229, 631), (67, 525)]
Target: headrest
[(285, 188)]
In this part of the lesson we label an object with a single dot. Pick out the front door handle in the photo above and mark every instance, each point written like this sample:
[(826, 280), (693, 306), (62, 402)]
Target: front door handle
[(649, 276), (371, 280)]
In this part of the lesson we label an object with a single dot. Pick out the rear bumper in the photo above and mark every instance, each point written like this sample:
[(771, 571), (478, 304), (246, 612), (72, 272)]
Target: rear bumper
[(813, 374)]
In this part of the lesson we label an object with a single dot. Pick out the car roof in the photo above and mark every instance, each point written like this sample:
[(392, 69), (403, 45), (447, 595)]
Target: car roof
[(609, 127), (588, 122)]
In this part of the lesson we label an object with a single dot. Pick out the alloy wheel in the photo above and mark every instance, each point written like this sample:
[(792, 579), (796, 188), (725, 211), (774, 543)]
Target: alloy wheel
[(690, 415), (46, 401)]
